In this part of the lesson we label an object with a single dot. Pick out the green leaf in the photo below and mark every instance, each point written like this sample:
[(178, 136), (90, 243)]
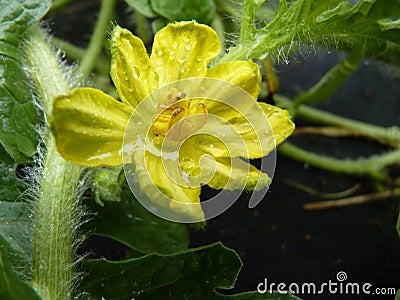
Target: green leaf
[(338, 24), (12, 287), (202, 11), (128, 222), (368, 23), (192, 274), (17, 112), (15, 226), (10, 186), (142, 6)]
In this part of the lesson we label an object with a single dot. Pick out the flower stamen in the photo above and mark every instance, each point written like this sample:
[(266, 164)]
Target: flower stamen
[(174, 108)]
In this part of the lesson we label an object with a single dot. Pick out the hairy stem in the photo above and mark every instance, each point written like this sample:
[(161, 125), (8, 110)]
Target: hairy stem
[(360, 199), (248, 29), (330, 82), (373, 166), (387, 135), (143, 30), (56, 4), (99, 34), (57, 206), (102, 66), (218, 26)]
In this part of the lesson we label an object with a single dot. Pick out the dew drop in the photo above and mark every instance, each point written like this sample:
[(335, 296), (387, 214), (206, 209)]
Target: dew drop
[(186, 39), (136, 73), (199, 58), (172, 55), (175, 45), (188, 47), (181, 59), (182, 70), (159, 52)]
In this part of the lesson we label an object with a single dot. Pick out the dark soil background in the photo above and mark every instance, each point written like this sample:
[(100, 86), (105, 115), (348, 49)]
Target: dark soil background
[(278, 239)]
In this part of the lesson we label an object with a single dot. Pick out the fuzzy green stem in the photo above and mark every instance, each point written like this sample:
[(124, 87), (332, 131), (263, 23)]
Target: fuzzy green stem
[(218, 26), (56, 4), (228, 8), (387, 135), (248, 29), (102, 65), (142, 27), (279, 33), (373, 166), (56, 210), (99, 34), (330, 82)]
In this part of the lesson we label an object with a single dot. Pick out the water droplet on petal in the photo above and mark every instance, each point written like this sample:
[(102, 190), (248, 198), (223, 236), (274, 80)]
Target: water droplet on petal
[(199, 58), (182, 70), (172, 55), (186, 39), (136, 73), (159, 52), (181, 59), (175, 45), (188, 47)]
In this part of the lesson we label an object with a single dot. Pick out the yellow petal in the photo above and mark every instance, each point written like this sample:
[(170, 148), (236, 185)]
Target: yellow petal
[(176, 200), (228, 173), (252, 131), (88, 127), (280, 121), (244, 74), (131, 71), (182, 50)]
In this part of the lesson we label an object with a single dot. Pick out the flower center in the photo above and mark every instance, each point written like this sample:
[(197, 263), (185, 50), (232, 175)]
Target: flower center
[(175, 109)]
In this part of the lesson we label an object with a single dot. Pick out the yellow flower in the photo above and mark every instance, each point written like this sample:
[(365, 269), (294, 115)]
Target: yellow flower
[(89, 125)]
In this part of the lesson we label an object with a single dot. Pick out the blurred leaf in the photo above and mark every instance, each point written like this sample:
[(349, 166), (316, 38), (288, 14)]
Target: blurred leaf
[(17, 112), (192, 274), (15, 225), (202, 11), (333, 23), (128, 222), (398, 225), (159, 23), (10, 186), (12, 287), (142, 6)]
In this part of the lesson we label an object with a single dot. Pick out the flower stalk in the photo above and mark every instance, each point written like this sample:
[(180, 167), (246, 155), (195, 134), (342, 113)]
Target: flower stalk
[(386, 135), (57, 204), (373, 166), (248, 29), (97, 40)]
